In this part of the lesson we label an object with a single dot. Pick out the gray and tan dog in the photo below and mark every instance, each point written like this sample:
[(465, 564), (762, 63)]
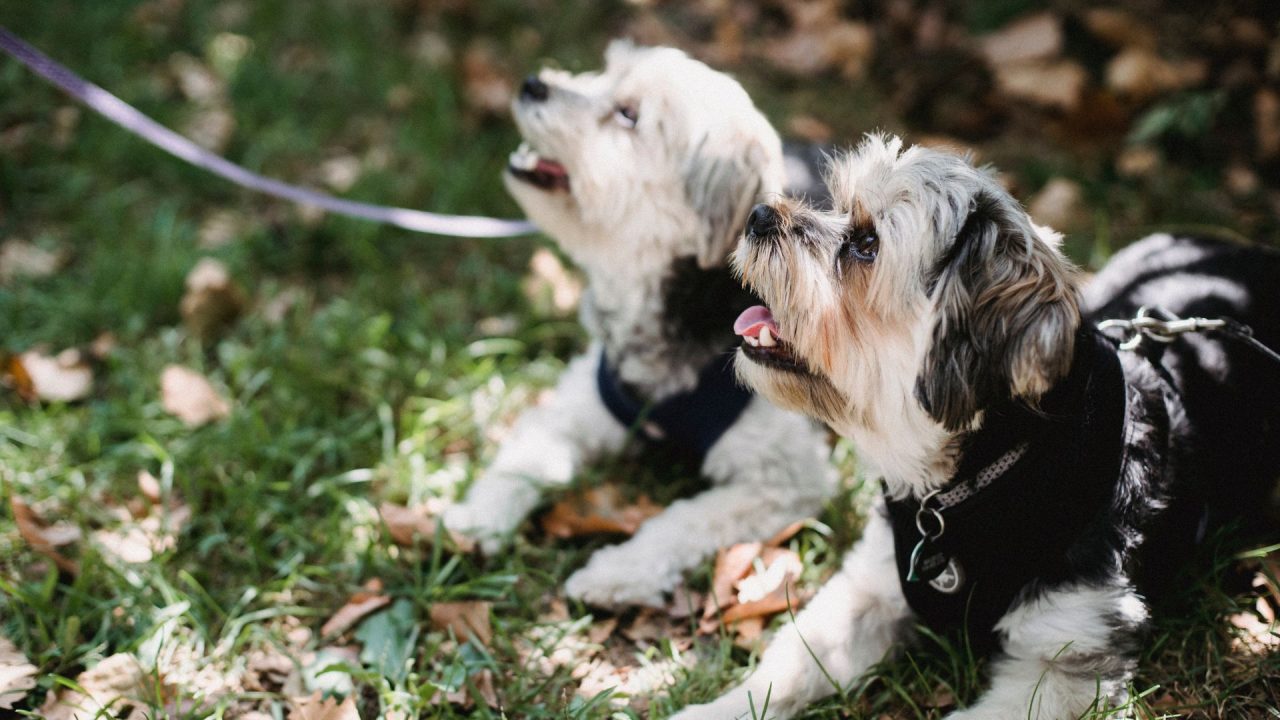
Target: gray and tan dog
[(1041, 484), (644, 173)]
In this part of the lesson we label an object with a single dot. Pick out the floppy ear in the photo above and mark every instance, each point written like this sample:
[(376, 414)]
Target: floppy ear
[(1007, 313), (723, 178)]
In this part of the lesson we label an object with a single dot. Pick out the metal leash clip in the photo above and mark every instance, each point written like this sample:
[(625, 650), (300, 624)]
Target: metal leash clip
[(1159, 329)]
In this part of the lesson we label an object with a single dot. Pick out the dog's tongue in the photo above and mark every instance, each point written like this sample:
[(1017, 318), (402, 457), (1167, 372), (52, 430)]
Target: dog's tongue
[(753, 319), (551, 167)]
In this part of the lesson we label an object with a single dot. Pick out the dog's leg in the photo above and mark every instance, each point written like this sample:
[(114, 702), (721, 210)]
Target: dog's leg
[(546, 448), (1065, 651), (849, 626), (772, 470)]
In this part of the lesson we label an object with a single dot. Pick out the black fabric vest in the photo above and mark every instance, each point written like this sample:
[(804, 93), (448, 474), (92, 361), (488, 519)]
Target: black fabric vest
[(689, 422), (1020, 528)]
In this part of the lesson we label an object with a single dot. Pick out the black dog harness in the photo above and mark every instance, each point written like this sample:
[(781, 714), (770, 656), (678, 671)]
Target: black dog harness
[(1030, 481), (690, 422)]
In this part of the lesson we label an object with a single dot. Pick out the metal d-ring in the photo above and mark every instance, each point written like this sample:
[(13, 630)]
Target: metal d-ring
[(921, 515)]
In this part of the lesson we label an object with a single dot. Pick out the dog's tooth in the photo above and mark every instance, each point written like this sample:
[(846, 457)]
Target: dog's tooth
[(766, 337), (752, 341), (524, 158)]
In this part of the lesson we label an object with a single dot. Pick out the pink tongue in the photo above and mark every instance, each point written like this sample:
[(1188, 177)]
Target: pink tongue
[(753, 319), (550, 167)]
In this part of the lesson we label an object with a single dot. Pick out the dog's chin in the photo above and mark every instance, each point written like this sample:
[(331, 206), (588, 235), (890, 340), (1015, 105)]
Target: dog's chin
[(791, 387)]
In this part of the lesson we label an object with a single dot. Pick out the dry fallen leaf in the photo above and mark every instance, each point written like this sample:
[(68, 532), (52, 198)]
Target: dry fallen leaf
[(596, 511), (19, 258), (17, 674), (1052, 84), (315, 708), (65, 377), (357, 608), (187, 395), (1060, 205), (1266, 116), (1255, 635), (212, 299), (486, 84), (44, 539), (409, 526), (1142, 74), (147, 527), (751, 583), (550, 286), (117, 683), (467, 619), (1033, 37)]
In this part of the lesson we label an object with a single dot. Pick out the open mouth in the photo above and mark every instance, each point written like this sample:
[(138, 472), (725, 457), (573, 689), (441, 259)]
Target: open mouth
[(763, 343), (525, 163)]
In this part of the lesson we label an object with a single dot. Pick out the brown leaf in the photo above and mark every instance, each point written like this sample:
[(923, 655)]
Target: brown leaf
[(19, 258), (1119, 28), (468, 619), (65, 377), (1253, 635), (1033, 37), (42, 538), (15, 375), (599, 510), (770, 591), (1052, 84), (743, 589), (149, 486), (212, 299), (139, 538), (357, 608), (1266, 116), (487, 85), (118, 683), (550, 286), (1060, 205), (786, 533), (732, 564), (601, 631), (411, 526), (315, 708), (1140, 73), (17, 674), (187, 395)]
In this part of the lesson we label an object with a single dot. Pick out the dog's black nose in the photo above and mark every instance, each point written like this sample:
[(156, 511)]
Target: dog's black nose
[(533, 89), (762, 222)]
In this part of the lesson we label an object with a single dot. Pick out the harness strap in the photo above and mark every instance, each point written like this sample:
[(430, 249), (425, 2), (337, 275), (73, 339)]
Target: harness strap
[(691, 421)]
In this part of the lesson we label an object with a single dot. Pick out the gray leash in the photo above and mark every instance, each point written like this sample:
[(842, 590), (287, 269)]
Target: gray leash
[(129, 118)]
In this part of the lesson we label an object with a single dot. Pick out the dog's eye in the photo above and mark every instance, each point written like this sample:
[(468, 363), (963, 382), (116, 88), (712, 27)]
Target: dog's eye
[(626, 115), (860, 246)]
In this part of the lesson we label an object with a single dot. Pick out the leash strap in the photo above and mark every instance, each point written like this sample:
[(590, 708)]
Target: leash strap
[(132, 120), (1160, 325)]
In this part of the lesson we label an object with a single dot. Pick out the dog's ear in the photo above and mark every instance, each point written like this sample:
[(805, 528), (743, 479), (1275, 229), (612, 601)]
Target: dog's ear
[(1007, 313), (724, 177)]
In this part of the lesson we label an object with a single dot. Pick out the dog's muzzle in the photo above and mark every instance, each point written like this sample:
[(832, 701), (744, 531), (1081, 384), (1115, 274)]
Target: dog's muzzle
[(762, 224), (534, 90)]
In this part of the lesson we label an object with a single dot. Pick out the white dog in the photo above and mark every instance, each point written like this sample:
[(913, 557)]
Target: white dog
[(645, 173), (1040, 483)]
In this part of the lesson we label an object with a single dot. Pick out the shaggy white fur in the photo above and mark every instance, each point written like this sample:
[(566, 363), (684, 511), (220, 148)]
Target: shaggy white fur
[(650, 164)]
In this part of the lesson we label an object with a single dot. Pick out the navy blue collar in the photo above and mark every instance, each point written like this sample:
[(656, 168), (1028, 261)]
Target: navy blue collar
[(690, 422)]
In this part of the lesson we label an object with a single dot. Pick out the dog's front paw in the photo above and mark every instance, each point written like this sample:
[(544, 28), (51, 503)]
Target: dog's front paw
[(477, 525), (612, 580)]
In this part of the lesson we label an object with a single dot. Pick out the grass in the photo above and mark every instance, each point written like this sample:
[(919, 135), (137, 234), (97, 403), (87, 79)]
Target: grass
[(384, 380)]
